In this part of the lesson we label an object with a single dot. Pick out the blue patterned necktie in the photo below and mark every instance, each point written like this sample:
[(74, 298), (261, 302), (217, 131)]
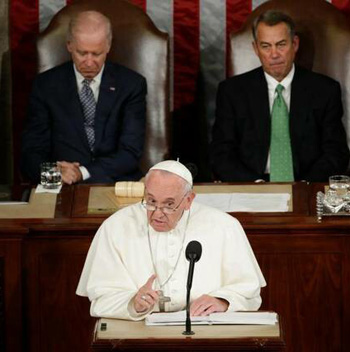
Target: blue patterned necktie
[(88, 103), (281, 161)]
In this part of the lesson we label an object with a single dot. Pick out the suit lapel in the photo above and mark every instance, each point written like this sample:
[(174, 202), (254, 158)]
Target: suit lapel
[(299, 105), (261, 112), (106, 99)]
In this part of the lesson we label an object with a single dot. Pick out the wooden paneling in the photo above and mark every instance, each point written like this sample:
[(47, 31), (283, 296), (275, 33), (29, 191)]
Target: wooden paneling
[(306, 289), (2, 305), (10, 291), (58, 320)]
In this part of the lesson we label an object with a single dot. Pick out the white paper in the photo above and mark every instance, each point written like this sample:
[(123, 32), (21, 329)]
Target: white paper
[(13, 202), (247, 202), (41, 189), (239, 318)]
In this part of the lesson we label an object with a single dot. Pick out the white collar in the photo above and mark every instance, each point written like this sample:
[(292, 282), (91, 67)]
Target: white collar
[(96, 79), (286, 81)]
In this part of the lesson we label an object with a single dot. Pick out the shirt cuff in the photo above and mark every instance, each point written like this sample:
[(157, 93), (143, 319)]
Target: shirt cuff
[(84, 172)]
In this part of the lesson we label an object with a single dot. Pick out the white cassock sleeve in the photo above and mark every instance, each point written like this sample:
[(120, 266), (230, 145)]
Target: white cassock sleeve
[(241, 274), (105, 280)]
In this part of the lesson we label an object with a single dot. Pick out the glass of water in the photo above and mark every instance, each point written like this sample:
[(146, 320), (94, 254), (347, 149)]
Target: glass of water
[(340, 184), (50, 174)]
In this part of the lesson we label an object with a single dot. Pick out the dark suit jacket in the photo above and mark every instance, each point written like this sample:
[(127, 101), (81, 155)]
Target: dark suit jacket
[(241, 133), (55, 124)]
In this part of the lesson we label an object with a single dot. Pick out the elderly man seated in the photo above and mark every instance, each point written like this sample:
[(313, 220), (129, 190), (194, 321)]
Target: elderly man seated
[(88, 113), (137, 265)]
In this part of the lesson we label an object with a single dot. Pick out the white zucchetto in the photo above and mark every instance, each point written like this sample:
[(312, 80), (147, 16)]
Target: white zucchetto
[(174, 167)]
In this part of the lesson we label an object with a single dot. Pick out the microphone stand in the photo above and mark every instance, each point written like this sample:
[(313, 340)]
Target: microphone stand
[(188, 330)]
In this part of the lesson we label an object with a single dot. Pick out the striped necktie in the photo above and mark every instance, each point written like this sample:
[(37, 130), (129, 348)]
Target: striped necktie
[(281, 161), (88, 103)]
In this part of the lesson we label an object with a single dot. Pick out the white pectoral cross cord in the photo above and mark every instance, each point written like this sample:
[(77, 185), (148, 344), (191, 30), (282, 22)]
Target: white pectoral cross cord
[(165, 299)]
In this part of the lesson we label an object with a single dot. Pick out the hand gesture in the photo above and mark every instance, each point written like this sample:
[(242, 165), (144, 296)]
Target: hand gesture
[(146, 297)]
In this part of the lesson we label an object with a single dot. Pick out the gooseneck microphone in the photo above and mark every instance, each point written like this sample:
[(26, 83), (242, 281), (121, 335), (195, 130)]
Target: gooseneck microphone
[(193, 254)]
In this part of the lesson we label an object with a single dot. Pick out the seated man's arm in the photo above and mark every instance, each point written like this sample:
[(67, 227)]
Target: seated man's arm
[(225, 146), (122, 161), (36, 139), (333, 150)]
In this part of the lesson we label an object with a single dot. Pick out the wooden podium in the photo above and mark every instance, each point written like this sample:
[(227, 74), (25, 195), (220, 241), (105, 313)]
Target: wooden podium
[(304, 261), (123, 335)]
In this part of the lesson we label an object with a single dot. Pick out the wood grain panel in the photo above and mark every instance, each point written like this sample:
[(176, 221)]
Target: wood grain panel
[(345, 321), (306, 290), (58, 320), (2, 305), (10, 294)]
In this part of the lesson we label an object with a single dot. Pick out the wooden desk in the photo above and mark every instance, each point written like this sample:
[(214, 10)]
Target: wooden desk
[(300, 198), (122, 335), (306, 264)]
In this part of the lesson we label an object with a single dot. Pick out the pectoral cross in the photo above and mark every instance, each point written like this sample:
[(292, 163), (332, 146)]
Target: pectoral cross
[(162, 299)]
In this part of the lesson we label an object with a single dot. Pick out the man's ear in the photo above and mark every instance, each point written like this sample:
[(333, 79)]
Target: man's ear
[(189, 200), (295, 43), (69, 46), (255, 47)]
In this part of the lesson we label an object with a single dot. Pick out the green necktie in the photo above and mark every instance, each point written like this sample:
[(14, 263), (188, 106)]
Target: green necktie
[(281, 161)]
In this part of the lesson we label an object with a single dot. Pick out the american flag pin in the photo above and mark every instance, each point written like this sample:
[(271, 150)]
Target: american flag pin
[(112, 88)]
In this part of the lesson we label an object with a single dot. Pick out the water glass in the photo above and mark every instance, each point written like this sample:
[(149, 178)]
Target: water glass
[(340, 184), (50, 174)]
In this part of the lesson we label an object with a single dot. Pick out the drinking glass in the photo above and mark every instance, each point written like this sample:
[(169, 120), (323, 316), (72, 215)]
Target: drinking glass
[(50, 174), (340, 184)]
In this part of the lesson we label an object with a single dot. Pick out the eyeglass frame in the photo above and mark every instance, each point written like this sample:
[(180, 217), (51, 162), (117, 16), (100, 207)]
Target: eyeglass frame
[(172, 210)]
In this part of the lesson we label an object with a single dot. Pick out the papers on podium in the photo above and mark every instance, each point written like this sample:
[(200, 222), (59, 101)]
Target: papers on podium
[(239, 318), (246, 202)]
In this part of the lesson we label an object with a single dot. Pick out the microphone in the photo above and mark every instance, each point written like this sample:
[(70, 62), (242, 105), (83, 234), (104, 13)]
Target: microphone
[(193, 254)]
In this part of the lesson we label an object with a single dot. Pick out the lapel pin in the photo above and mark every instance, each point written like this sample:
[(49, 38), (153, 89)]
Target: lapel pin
[(112, 88)]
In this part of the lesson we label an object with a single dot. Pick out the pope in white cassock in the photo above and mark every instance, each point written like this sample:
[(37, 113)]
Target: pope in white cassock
[(137, 265)]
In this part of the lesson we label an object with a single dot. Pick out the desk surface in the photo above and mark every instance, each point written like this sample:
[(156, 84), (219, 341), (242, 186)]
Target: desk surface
[(72, 211), (299, 192), (121, 334)]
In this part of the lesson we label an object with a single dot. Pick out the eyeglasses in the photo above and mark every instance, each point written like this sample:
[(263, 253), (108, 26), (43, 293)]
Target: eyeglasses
[(165, 209)]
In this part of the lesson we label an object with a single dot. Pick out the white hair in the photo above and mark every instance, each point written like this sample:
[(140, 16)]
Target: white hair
[(96, 20)]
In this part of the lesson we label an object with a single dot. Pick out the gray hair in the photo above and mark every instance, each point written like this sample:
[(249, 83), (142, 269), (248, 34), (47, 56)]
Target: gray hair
[(95, 19), (272, 18), (186, 186)]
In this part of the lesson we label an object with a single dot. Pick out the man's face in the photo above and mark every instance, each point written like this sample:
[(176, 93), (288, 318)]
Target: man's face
[(166, 191), (89, 51), (275, 49)]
